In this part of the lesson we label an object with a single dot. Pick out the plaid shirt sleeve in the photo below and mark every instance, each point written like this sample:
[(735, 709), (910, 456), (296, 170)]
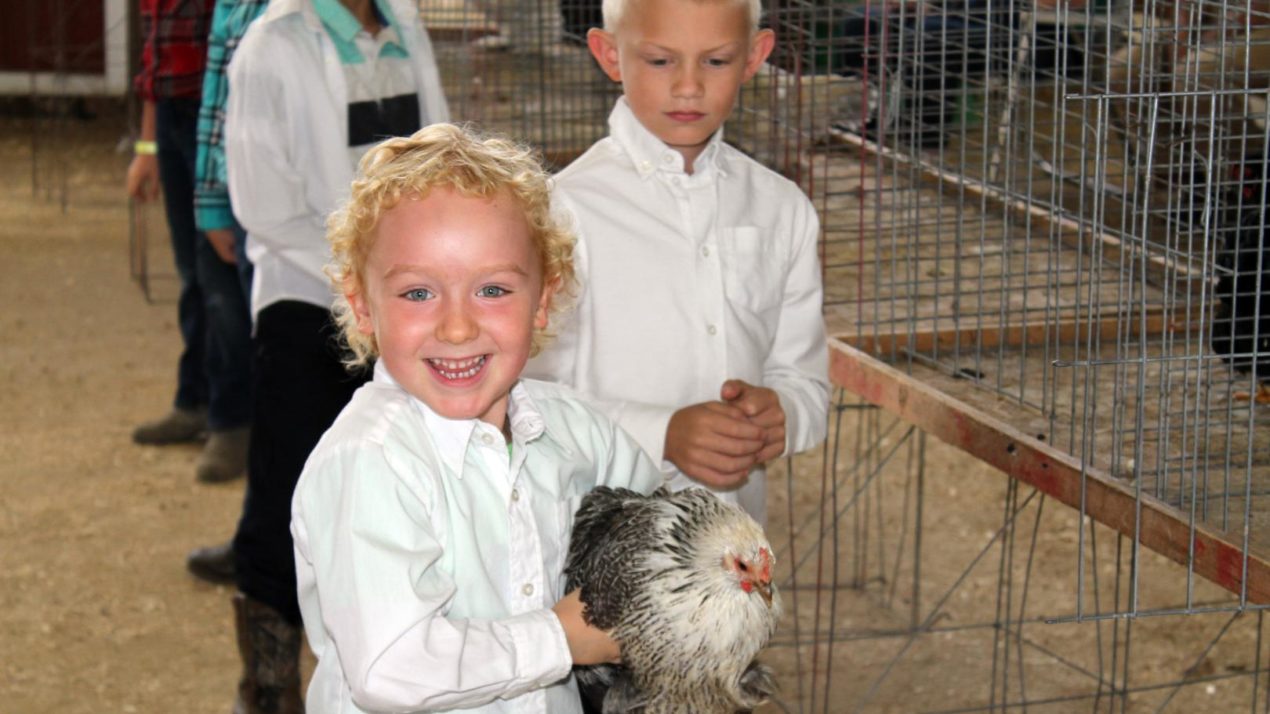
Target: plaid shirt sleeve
[(211, 189), (175, 49)]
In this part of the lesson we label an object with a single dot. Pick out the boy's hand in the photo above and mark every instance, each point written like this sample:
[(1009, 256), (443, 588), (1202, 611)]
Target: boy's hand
[(222, 240), (587, 644), (713, 443), (763, 408), (143, 177)]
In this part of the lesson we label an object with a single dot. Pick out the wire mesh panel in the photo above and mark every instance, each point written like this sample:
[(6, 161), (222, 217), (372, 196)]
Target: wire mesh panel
[(521, 67), (1039, 211), (914, 584), (1041, 243)]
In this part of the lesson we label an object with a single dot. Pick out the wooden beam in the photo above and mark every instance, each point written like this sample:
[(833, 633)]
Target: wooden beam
[(1038, 332), (1049, 470)]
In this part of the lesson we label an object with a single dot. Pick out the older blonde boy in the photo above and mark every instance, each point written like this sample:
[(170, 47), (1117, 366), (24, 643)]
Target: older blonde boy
[(698, 322), (432, 520)]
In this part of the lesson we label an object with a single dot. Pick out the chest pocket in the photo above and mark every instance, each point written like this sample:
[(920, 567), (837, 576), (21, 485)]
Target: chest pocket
[(752, 270)]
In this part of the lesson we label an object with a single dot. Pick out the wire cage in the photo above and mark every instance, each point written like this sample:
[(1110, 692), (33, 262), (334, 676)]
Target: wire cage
[(1067, 239), (1041, 244)]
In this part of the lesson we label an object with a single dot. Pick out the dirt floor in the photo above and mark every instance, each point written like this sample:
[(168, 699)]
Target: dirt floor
[(97, 612)]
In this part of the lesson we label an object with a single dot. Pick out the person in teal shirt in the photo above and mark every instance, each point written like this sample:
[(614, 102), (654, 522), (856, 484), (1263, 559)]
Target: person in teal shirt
[(215, 217)]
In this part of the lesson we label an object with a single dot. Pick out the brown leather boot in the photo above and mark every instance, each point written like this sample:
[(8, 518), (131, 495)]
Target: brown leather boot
[(270, 649)]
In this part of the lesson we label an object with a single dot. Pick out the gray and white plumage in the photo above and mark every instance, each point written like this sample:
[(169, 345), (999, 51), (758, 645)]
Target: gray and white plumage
[(683, 583)]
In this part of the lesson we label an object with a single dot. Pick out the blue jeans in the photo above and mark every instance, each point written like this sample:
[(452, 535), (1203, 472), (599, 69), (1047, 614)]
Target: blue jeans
[(215, 366)]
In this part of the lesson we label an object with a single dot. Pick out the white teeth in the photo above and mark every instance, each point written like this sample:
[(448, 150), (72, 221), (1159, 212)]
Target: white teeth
[(458, 368)]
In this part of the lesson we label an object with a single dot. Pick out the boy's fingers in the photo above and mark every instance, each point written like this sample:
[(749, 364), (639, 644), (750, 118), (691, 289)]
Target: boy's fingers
[(726, 462), (771, 451), (725, 410), (732, 389), (769, 418), (730, 422), (726, 446), (714, 478)]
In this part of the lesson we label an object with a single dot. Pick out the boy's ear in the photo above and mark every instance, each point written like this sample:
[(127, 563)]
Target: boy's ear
[(544, 303), (603, 46), (361, 311), (760, 47)]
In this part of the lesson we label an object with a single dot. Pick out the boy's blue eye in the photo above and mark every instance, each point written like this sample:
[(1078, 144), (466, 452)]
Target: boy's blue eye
[(719, 61), (491, 291), (658, 61), (418, 294)]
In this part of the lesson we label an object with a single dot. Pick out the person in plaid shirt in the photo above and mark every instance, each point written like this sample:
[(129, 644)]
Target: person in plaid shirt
[(213, 373), (212, 212)]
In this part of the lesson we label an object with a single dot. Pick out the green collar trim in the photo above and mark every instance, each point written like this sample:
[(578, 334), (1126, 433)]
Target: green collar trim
[(342, 28)]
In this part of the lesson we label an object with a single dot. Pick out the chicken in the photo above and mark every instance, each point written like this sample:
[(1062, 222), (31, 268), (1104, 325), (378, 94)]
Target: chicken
[(683, 582), (1241, 324)]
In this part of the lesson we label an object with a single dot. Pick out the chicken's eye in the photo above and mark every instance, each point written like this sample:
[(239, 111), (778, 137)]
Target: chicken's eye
[(740, 565)]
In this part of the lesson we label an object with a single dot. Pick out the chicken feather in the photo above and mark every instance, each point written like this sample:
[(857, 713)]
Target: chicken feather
[(683, 583)]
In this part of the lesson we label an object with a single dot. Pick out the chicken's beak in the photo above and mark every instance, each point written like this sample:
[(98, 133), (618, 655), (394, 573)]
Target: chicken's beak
[(765, 590)]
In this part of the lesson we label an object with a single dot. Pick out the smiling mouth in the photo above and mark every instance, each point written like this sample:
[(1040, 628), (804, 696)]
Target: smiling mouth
[(457, 369)]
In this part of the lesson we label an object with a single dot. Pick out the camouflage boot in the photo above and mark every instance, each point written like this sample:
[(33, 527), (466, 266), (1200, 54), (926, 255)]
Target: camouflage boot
[(270, 650)]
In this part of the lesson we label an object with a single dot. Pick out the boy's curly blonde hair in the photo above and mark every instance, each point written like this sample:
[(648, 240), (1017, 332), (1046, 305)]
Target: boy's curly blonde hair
[(453, 157)]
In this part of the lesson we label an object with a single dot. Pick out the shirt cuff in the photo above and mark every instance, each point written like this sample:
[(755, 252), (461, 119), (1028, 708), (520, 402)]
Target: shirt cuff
[(212, 218), (542, 652), (791, 422), (647, 424)]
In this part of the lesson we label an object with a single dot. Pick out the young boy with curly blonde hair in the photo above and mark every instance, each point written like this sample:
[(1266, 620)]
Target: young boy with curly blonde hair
[(432, 520), (698, 322)]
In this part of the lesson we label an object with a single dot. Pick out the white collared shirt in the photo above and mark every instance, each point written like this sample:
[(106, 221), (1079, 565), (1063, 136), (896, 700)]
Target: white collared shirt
[(428, 556), (688, 280), (288, 163)]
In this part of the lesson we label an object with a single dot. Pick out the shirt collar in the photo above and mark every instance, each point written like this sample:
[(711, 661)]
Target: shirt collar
[(343, 28), (651, 154), (453, 437)]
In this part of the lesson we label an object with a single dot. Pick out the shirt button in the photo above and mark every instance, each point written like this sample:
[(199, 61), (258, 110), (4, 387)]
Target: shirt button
[(668, 159), (528, 589), (712, 329), (705, 251), (515, 495), (487, 439), (645, 165)]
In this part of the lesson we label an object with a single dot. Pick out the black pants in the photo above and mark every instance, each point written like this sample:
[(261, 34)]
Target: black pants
[(300, 387)]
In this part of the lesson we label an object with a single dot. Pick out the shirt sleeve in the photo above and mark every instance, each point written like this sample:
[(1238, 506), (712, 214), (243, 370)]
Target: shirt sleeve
[(266, 189), (629, 466), (143, 83), (797, 368), (211, 195), (366, 526)]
